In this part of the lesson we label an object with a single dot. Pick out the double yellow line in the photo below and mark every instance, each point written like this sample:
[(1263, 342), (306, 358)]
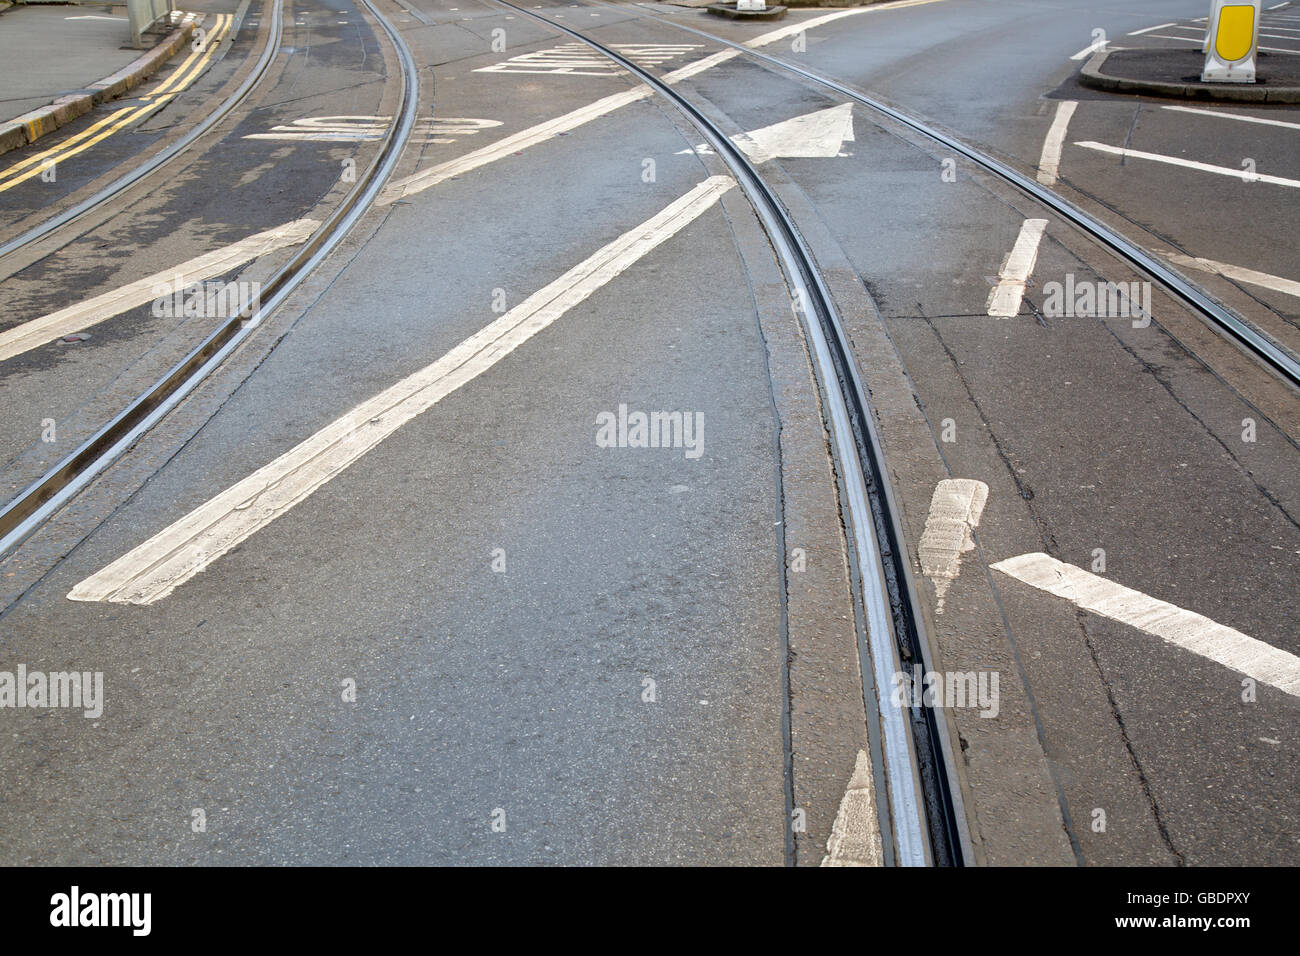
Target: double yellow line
[(180, 79)]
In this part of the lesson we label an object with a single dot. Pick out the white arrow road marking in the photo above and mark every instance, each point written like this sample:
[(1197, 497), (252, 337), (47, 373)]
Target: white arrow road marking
[(1239, 273), (83, 315), (818, 135), (855, 835), (1049, 164), (173, 556), (1192, 164), (1004, 300), (955, 510), (401, 188), (1185, 629)]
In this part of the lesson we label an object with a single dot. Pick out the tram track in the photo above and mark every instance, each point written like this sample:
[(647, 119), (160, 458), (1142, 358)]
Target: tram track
[(926, 821), (157, 161), (33, 506)]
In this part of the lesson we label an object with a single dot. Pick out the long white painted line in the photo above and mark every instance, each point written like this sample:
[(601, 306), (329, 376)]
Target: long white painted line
[(955, 510), (83, 315), (173, 556), (1193, 164), (855, 835), (1220, 114), (1089, 50), (418, 182), (1161, 26), (1239, 273), (1170, 623), (1279, 6), (1266, 49), (1004, 300), (1049, 164)]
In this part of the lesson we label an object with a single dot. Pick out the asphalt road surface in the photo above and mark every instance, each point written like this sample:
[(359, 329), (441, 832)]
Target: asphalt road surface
[(521, 532)]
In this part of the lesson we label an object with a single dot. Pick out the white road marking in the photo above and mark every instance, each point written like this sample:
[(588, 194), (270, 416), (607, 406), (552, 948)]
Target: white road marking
[(1170, 623), (1138, 33), (83, 315), (1279, 6), (1241, 174), (1239, 273), (955, 510), (578, 59), (855, 835), (818, 135), (1049, 164), (364, 129), (1004, 300), (1090, 50), (1201, 40), (418, 182), (173, 556), (1221, 114)]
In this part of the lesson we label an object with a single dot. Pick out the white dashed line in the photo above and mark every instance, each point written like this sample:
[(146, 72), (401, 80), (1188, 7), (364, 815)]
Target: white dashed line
[(955, 510), (1170, 623), (855, 835), (1049, 165), (1004, 300)]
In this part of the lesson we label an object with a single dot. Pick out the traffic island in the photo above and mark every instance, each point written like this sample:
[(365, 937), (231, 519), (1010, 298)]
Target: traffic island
[(732, 12), (1177, 73)]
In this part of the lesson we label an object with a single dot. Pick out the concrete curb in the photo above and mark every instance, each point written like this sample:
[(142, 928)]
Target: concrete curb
[(731, 13), (33, 125), (1091, 76)]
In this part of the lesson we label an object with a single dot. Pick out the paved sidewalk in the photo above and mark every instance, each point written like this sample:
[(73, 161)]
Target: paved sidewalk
[(48, 51)]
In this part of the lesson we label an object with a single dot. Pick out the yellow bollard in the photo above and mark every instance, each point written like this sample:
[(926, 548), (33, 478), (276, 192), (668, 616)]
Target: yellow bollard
[(1230, 42)]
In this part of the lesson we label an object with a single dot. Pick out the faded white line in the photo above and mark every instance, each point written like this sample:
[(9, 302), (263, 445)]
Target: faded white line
[(1090, 50), (1172, 624), (855, 835), (1161, 26), (83, 315), (1049, 164), (1220, 114), (1004, 300), (955, 510), (173, 556), (1241, 174), (418, 182), (1239, 273)]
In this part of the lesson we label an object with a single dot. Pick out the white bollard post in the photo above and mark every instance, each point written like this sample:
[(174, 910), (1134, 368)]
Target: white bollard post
[(1232, 37)]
